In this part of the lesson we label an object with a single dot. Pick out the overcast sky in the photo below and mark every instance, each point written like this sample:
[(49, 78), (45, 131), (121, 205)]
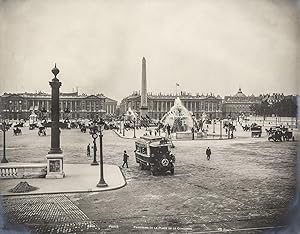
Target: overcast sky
[(204, 45)]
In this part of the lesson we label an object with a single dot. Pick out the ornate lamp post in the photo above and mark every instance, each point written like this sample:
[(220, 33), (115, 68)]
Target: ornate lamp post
[(120, 126), (220, 129), (193, 129), (159, 124), (94, 136), (101, 182), (123, 125), (3, 128)]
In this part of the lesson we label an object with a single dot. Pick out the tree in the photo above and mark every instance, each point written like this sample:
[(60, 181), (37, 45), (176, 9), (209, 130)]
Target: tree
[(287, 107), (263, 108)]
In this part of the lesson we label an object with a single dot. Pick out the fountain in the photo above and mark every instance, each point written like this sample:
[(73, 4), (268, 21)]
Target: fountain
[(178, 118), (130, 114)]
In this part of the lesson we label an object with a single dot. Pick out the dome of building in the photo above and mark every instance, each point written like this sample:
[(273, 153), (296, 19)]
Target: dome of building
[(240, 93)]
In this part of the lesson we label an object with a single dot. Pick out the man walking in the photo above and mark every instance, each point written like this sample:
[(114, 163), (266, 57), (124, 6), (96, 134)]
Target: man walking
[(125, 157), (208, 153), (169, 130)]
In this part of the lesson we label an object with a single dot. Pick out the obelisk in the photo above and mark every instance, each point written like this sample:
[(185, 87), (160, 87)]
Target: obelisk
[(144, 105)]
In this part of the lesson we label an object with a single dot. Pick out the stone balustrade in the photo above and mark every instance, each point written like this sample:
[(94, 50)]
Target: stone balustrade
[(184, 135), (19, 170)]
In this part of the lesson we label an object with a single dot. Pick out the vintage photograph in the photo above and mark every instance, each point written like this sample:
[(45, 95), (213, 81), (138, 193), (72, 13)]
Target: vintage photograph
[(149, 116)]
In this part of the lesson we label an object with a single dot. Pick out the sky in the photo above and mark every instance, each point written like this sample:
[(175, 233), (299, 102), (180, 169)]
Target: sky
[(205, 46)]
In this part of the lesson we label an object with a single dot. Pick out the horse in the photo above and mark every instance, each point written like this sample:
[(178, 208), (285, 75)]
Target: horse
[(17, 131), (246, 128)]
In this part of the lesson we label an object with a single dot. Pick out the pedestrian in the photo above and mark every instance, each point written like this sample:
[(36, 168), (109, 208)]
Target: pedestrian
[(169, 130), (125, 157), (208, 153), (88, 150)]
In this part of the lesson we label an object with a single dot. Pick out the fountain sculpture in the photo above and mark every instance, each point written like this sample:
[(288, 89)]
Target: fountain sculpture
[(178, 118)]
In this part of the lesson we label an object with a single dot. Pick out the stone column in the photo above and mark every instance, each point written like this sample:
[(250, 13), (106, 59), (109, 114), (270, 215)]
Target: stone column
[(55, 132), (55, 156)]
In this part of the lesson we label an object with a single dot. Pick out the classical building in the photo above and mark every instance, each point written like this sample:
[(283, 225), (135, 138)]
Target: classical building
[(159, 104), (272, 98), (72, 105), (238, 104)]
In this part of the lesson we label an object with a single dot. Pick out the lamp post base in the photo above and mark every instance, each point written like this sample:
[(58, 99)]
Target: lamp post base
[(4, 160), (94, 164), (102, 184)]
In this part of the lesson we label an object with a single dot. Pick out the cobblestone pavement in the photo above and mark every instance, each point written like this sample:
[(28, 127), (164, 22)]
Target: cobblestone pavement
[(47, 214), (246, 186)]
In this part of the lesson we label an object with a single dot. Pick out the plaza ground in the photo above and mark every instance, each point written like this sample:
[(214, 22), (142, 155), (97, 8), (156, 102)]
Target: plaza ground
[(246, 186)]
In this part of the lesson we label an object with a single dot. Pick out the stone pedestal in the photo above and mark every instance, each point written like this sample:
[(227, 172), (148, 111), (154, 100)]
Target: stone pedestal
[(55, 166)]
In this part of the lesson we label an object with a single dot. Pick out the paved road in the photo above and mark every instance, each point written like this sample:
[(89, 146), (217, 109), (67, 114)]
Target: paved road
[(248, 183)]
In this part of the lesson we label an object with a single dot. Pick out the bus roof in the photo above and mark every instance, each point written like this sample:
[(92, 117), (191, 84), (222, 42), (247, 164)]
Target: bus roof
[(151, 138)]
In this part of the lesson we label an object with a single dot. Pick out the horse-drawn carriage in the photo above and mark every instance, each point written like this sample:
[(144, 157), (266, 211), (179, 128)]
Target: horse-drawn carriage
[(66, 124), (256, 130), (74, 124), (228, 126), (280, 133), (42, 131)]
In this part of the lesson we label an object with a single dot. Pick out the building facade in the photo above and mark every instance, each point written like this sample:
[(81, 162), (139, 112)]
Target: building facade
[(238, 104), (72, 105), (160, 104)]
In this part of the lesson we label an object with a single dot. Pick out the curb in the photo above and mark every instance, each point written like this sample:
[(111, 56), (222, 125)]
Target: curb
[(68, 192), (201, 139), (124, 137)]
